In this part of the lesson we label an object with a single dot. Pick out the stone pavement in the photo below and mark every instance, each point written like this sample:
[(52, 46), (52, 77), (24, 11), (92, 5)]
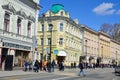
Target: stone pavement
[(21, 72), (14, 72)]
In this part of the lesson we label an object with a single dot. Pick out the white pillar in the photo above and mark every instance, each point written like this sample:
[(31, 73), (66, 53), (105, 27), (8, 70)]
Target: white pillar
[(12, 52)]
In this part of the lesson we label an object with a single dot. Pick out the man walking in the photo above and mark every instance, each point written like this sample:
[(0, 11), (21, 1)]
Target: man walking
[(81, 67)]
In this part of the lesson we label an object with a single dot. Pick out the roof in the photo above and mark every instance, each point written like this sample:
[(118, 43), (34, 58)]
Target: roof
[(56, 8)]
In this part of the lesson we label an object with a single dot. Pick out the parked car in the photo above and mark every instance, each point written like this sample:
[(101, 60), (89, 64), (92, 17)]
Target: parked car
[(117, 69)]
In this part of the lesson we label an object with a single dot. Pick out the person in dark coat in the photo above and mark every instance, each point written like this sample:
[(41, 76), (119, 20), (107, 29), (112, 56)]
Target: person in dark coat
[(40, 65), (81, 67), (26, 64), (36, 65), (53, 65)]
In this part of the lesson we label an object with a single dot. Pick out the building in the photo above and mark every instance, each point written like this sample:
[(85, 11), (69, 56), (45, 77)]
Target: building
[(99, 48), (104, 47), (115, 52), (18, 27), (66, 36), (90, 45)]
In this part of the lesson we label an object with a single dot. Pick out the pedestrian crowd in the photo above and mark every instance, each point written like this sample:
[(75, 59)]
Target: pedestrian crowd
[(37, 66)]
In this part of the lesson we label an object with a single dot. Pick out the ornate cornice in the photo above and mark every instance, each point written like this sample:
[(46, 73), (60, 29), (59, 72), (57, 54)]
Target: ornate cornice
[(9, 7), (31, 4), (31, 18), (22, 13), (51, 18)]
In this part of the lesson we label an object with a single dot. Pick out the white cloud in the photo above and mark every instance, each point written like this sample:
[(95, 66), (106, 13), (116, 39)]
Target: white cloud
[(104, 9)]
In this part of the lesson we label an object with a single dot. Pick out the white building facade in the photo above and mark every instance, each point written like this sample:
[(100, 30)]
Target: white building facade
[(18, 26)]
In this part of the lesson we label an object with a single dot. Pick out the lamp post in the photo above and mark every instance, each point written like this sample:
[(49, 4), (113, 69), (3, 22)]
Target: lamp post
[(116, 57), (102, 55), (49, 61), (86, 53)]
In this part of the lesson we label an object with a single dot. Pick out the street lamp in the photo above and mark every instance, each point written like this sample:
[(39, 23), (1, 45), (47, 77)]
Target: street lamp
[(102, 55), (86, 53), (49, 59), (116, 57)]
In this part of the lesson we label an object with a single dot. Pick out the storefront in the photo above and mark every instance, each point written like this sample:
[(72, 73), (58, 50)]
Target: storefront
[(14, 55)]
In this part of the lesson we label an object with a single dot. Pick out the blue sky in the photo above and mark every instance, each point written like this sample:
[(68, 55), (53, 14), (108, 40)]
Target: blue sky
[(92, 13)]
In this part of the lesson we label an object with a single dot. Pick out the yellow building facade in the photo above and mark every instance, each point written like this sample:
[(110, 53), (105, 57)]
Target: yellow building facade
[(99, 48), (66, 38), (104, 47), (90, 45), (72, 42), (115, 52)]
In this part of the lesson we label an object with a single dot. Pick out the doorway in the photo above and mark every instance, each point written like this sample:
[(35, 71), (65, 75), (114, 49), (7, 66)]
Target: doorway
[(3, 56), (60, 59)]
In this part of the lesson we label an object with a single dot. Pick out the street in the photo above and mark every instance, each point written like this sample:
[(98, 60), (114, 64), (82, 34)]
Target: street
[(68, 74)]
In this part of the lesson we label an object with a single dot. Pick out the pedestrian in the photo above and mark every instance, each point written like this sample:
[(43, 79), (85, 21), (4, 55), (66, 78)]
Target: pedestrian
[(74, 64), (44, 65), (26, 65), (40, 65), (81, 67), (36, 65), (53, 65), (63, 66)]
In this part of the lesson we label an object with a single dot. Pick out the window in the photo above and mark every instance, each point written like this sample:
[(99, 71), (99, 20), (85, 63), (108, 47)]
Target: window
[(6, 21), (42, 27), (29, 29), (19, 25), (48, 28), (49, 39), (61, 26), (60, 41), (61, 13), (41, 41)]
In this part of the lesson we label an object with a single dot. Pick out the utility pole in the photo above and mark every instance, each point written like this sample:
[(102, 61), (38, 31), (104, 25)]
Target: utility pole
[(86, 53), (116, 57), (102, 55), (49, 61)]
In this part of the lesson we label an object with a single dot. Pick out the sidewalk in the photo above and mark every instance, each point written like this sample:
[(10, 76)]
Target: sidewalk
[(14, 72), (21, 72)]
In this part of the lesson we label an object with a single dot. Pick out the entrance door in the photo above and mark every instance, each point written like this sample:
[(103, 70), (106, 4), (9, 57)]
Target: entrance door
[(60, 59), (3, 56), (9, 62)]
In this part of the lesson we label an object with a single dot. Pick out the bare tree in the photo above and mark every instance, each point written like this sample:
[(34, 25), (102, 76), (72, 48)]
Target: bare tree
[(112, 30)]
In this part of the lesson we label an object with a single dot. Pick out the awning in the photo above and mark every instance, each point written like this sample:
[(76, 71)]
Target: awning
[(62, 53)]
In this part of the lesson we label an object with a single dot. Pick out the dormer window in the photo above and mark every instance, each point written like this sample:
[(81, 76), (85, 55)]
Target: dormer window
[(6, 21), (19, 21), (61, 13)]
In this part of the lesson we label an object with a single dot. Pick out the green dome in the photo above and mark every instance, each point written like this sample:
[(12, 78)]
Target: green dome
[(56, 8)]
